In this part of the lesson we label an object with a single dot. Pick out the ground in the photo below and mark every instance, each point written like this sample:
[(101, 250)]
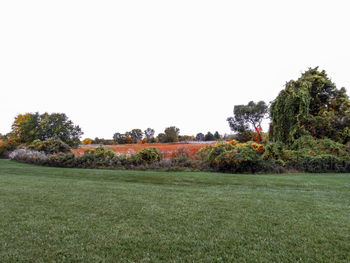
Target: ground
[(167, 149), (80, 215)]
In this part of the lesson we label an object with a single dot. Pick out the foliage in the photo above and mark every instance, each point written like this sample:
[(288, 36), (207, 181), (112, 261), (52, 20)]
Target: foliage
[(185, 138), (200, 137), (149, 134), (245, 136), (34, 126), (171, 134), (311, 105), (51, 145), (29, 156), (129, 140), (87, 141), (217, 135), (119, 138), (235, 157), (135, 135), (147, 155), (321, 164), (209, 137), (246, 115)]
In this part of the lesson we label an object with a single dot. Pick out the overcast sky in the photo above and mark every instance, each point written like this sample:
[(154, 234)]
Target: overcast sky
[(117, 65)]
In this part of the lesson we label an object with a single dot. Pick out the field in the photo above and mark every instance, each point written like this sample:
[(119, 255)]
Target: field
[(76, 215), (167, 149)]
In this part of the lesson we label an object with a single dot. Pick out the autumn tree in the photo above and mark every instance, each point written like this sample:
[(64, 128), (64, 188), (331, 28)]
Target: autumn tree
[(247, 117), (34, 126)]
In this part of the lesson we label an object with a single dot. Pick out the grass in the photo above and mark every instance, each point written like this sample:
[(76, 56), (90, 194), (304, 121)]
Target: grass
[(76, 215)]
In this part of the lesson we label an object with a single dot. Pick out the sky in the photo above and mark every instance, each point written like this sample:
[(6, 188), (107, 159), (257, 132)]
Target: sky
[(112, 66)]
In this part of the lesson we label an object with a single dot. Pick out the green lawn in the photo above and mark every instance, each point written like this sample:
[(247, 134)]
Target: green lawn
[(75, 215)]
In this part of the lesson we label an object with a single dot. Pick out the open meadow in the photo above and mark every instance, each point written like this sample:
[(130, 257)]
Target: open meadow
[(168, 150), (81, 215)]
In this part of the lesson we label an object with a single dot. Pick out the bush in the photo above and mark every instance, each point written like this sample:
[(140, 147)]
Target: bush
[(147, 155), (235, 157), (29, 156), (62, 160), (50, 146), (321, 164), (6, 146), (274, 151), (87, 141)]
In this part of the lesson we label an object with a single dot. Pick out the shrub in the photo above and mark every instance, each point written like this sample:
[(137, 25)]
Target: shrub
[(29, 156), (321, 164), (147, 155), (62, 160), (234, 157), (51, 145), (274, 151), (87, 141), (6, 146)]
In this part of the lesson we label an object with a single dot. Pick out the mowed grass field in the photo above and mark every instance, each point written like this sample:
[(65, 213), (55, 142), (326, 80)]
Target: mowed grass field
[(76, 215)]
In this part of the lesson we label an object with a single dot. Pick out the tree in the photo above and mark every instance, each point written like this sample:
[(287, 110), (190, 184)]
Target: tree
[(200, 137), (171, 134), (119, 138), (135, 135), (217, 135), (209, 137), (149, 134), (34, 126), (311, 105), (248, 115)]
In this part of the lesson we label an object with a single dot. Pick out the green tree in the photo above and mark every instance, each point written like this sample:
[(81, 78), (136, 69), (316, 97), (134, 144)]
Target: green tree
[(209, 137), (217, 135), (34, 126), (246, 116), (200, 137), (311, 105), (136, 135), (119, 138), (171, 134), (149, 134)]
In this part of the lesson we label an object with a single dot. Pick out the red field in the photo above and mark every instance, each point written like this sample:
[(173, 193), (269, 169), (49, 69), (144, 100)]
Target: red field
[(167, 149)]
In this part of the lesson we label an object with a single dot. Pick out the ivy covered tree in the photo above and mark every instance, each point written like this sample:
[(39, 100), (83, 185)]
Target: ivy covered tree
[(247, 116), (311, 105)]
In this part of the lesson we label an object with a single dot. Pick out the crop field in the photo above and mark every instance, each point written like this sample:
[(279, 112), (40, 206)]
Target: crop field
[(167, 149), (80, 215)]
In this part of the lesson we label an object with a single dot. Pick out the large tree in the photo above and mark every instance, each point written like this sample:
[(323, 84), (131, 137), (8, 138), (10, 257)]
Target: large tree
[(135, 134), (171, 134), (311, 105), (34, 126), (149, 134), (247, 117)]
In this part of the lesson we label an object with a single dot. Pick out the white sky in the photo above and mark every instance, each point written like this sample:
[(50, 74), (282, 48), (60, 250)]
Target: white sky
[(117, 65)]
